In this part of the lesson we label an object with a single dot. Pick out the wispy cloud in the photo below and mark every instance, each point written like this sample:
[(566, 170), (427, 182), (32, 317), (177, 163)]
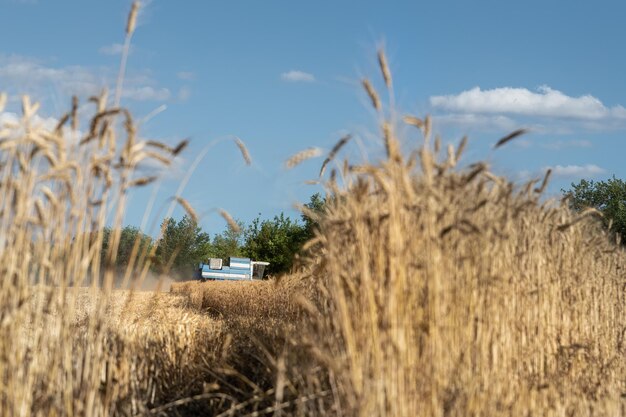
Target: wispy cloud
[(558, 145), (481, 121), (184, 93), (553, 145), (173, 172), (186, 75), (578, 171), (36, 122), (297, 76), (113, 49), (146, 93), (523, 143), (545, 102), (26, 75)]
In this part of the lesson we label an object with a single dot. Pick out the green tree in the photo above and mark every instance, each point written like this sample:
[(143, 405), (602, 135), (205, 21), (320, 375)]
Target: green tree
[(128, 236), (183, 246), (276, 241), (608, 196), (226, 244), (317, 205)]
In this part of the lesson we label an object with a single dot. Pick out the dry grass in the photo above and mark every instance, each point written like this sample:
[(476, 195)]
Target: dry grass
[(151, 351), (447, 294), (454, 292), (257, 299), (429, 291)]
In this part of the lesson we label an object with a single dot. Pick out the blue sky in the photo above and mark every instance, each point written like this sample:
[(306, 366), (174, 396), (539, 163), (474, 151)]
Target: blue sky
[(284, 76)]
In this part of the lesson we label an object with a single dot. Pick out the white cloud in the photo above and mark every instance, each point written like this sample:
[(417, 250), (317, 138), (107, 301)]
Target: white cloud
[(562, 144), (113, 49), (174, 171), (523, 143), (589, 170), (146, 93), (186, 75), (545, 102), (297, 76), (523, 175), (554, 145), (8, 118), (481, 121), (14, 122), (184, 93), (24, 75), (27, 75)]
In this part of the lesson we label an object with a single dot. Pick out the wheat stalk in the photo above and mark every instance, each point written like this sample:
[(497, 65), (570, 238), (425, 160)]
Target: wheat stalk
[(188, 208), (333, 152), (369, 89), (132, 18), (180, 147), (232, 224), (302, 156), (143, 181), (244, 151), (510, 137), (391, 143), (413, 121), (460, 149), (384, 68), (544, 183), (174, 151)]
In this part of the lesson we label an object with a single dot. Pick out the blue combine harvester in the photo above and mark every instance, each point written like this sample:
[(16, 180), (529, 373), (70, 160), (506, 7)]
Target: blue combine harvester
[(238, 269)]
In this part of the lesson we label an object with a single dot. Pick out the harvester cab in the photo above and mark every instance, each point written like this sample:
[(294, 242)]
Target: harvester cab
[(238, 269)]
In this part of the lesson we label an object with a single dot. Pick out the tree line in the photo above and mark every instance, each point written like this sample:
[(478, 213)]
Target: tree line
[(184, 244), (608, 197)]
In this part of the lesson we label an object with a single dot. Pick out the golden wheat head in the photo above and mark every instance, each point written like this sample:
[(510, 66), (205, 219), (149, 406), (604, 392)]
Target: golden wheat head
[(132, 18), (371, 92), (244, 151), (302, 156), (333, 152), (384, 67), (190, 210), (232, 224)]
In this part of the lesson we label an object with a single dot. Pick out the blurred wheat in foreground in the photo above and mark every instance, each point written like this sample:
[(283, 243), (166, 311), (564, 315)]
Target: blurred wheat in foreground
[(453, 292), (429, 290)]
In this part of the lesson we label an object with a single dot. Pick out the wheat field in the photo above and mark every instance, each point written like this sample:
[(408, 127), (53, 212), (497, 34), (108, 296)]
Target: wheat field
[(431, 288)]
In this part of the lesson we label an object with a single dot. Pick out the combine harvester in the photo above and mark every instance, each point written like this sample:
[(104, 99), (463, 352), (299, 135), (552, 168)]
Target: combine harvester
[(238, 269)]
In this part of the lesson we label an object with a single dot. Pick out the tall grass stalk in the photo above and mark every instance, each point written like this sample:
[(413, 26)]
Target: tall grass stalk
[(445, 291)]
